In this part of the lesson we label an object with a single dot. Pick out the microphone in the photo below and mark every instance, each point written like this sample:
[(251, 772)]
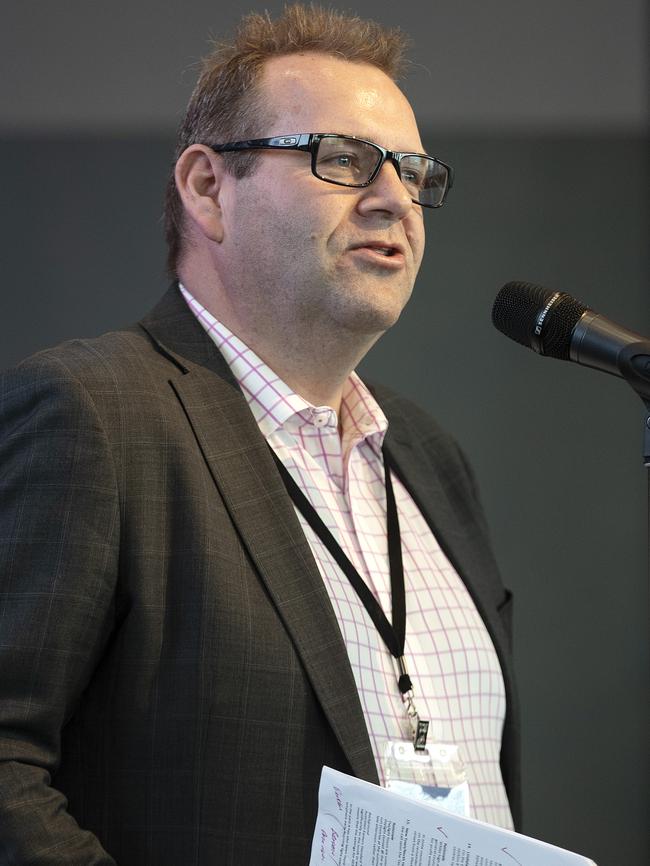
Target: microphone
[(555, 324)]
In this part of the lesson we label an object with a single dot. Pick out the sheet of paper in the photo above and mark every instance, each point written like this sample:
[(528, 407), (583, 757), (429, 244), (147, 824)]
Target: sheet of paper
[(360, 824)]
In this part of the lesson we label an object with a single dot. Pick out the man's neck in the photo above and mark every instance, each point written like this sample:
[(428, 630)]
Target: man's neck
[(312, 361)]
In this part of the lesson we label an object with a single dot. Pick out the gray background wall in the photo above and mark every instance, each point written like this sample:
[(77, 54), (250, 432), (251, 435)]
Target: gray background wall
[(541, 108)]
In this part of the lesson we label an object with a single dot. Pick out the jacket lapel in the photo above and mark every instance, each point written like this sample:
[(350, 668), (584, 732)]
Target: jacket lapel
[(254, 494), (467, 549)]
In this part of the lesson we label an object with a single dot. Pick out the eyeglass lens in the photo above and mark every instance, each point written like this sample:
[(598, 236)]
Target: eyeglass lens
[(351, 162)]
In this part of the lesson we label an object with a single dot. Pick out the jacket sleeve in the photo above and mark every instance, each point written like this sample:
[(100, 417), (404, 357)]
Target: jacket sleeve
[(59, 530)]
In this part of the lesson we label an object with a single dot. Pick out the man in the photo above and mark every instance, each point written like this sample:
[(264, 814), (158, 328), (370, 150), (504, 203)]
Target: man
[(180, 652)]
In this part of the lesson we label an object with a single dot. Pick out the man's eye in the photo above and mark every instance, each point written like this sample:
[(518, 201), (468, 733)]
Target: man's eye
[(345, 160), (414, 178), (342, 160)]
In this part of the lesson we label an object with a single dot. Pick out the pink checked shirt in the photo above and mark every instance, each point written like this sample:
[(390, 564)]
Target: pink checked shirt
[(453, 664)]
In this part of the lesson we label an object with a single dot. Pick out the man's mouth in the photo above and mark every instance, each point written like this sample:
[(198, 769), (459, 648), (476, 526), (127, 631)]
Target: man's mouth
[(384, 257), (387, 250)]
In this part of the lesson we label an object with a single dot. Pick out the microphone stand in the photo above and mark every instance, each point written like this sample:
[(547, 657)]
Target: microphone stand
[(634, 365)]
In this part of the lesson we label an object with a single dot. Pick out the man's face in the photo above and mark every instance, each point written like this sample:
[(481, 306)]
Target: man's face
[(302, 249)]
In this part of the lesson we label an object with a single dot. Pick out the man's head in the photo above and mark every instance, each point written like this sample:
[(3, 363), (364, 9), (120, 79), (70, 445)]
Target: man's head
[(227, 103)]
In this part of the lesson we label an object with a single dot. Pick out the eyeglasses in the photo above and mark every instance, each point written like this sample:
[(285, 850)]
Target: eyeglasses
[(349, 161)]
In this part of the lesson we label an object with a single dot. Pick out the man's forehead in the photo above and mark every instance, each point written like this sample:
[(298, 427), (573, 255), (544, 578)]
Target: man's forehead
[(345, 96), (299, 67)]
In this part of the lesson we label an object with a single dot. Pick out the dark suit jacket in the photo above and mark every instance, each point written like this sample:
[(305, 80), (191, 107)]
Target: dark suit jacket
[(172, 675)]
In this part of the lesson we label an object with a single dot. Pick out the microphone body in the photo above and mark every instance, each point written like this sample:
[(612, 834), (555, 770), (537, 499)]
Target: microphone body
[(597, 342), (555, 324)]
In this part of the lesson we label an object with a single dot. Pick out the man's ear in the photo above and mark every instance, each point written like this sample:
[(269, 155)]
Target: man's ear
[(199, 174)]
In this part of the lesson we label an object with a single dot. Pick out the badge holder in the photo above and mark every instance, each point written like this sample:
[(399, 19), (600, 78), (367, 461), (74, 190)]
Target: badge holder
[(433, 773)]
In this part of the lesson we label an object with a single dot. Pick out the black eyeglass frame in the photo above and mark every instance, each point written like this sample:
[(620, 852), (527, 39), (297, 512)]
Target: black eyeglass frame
[(309, 142)]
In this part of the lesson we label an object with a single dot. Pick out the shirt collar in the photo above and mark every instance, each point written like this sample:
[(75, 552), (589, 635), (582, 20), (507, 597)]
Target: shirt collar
[(273, 403)]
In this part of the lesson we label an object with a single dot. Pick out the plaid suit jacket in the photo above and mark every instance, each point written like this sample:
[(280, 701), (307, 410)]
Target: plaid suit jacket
[(172, 675)]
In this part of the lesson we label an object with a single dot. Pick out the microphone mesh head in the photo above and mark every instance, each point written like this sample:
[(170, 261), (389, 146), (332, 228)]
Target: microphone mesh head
[(517, 310)]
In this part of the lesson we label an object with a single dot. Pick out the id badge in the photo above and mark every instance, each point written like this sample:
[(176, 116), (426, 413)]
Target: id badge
[(435, 774)]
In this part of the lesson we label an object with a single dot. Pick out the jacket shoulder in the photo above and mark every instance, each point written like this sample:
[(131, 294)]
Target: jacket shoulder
[(117, 361)]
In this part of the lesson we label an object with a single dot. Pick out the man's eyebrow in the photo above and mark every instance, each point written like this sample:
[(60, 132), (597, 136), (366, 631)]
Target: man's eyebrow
[(375, 140)]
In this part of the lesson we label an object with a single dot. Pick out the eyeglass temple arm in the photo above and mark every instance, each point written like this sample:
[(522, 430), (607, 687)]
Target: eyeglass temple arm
[(291, 142)]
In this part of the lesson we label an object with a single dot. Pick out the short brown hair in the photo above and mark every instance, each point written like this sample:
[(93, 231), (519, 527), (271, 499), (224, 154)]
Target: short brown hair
[(227, 105)]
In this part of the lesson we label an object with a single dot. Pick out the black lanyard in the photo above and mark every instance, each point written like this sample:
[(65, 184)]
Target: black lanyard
[(393, 634)]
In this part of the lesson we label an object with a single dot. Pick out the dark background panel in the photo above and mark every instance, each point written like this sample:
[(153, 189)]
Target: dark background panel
[(557, 448), (521, 64)]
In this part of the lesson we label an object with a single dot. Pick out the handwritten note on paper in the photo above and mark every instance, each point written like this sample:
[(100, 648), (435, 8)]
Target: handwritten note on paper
[(360, 824)]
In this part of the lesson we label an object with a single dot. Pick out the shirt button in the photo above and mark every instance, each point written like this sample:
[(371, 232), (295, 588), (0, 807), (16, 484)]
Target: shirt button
[(322, 417)]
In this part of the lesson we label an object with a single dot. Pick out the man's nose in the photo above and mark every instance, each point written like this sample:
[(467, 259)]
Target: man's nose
[(386, 193)]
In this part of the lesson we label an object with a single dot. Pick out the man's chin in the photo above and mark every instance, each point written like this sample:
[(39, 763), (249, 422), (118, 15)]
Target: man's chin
[(365, 307), (371, 319)]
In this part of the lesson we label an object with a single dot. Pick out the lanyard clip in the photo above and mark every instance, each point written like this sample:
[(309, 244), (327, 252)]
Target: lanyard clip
[(419, 727)]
